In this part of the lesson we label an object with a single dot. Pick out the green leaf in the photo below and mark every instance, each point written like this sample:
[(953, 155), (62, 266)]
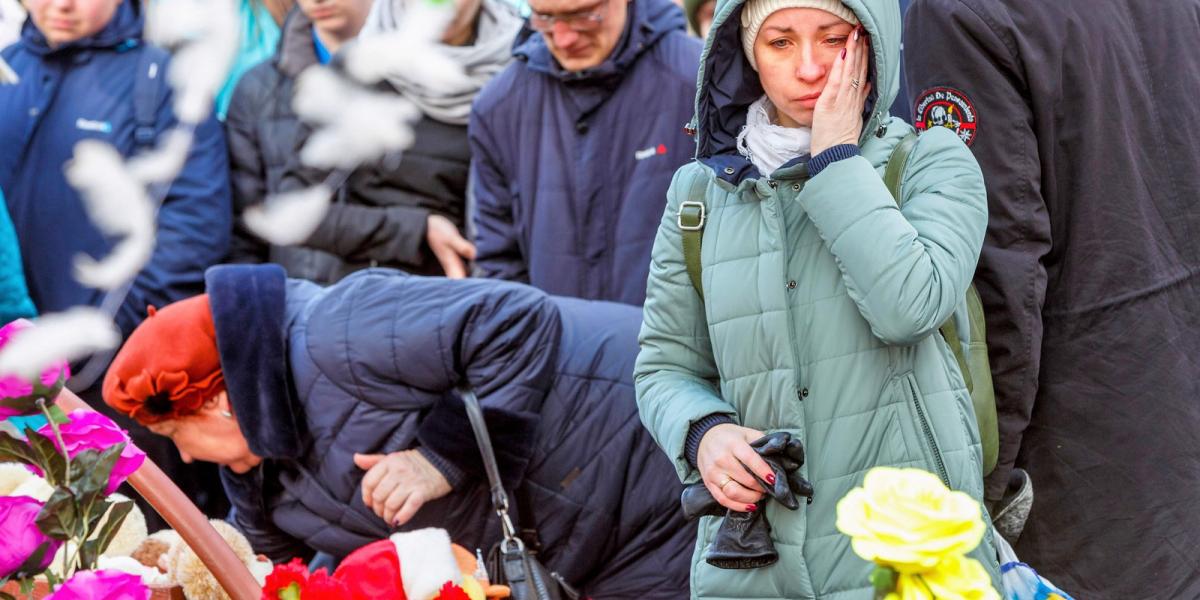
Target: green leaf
[(48, 457), (13, 449), (89, 478), (91, 468), (58, 416), (59, 518), (92, 549)]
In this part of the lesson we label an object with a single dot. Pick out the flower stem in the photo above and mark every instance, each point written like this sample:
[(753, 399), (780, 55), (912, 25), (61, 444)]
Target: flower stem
[(62, 446), (68, 560)]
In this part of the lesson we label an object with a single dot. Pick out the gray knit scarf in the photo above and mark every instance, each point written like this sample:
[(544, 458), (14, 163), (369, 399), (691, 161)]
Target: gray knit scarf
[(492, 49)]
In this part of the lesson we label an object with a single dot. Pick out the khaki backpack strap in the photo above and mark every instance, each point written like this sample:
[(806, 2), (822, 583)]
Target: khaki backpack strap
[(691, 219), (949, 332), (893, 175)]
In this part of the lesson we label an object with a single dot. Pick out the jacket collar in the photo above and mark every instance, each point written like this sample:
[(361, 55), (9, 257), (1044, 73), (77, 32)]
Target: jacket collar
[(124, 30), (647, 22), (248, 307), (296, 51)]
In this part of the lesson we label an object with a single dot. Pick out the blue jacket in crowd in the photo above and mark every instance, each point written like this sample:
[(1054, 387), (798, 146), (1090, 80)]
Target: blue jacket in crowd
[(368, 366), (84, 90), (571, 169), (14, 294)]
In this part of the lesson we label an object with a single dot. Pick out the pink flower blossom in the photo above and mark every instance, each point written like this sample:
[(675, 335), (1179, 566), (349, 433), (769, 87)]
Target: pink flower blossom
[(89, 430), (102, 585), (12, 386), (19, 530)]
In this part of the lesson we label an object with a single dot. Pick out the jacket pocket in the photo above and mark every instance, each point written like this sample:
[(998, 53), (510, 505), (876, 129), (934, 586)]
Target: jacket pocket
[(924, 425)]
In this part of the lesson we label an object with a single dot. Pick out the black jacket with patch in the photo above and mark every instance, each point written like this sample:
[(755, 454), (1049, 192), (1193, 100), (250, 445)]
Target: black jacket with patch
[(1082, 115)]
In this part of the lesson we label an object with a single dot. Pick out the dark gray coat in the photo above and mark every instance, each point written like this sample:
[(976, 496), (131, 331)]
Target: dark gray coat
[(1084, 114), (378, 217), (370, 363)]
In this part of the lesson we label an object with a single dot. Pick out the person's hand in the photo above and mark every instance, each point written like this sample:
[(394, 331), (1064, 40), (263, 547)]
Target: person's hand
[(723, 459), (397, 485), (837, 118), (449, 246)]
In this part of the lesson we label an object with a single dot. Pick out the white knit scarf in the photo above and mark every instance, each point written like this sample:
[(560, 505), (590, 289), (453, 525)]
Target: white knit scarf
[(768, 145)]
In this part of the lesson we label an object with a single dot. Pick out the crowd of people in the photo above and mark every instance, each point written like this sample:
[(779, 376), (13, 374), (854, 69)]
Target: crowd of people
[(648, 234)]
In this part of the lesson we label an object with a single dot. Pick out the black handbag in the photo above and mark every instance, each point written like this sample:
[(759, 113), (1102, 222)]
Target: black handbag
[(510, 563)]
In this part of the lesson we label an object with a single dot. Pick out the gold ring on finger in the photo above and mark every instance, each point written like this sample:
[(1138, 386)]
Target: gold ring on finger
[(728, 480), (854, 83)]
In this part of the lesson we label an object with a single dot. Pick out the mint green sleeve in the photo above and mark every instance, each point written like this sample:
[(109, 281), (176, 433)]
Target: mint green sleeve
[(906, 270), (676, 377)]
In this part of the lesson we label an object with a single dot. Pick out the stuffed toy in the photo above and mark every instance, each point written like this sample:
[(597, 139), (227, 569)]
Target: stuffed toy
[(417, 565)]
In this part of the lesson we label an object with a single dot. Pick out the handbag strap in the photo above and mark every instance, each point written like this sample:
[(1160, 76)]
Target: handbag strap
[(499, 495)]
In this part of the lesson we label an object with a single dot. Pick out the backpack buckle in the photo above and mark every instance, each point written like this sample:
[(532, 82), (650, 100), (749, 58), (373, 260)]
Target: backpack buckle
[(691, 216)]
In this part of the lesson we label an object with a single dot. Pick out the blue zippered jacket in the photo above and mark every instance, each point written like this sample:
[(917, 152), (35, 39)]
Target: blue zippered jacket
[(571, 168), (84, 90)]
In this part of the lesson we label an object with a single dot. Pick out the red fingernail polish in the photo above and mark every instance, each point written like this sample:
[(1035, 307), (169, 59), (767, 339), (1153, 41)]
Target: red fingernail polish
[(771, 478), (843, 53), (751, 507)]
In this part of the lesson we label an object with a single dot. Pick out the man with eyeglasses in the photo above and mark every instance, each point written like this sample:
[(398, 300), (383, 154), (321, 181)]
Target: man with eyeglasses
[(575, 143)]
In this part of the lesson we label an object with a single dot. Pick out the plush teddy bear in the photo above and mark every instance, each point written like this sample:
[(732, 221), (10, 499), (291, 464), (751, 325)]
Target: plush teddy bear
[(417, 565)]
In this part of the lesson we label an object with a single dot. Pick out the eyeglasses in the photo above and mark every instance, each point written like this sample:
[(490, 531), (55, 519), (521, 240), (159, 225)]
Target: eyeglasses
[(582, 20)]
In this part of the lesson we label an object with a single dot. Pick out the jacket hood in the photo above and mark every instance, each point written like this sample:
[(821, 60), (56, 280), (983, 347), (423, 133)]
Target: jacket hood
[(727, 84), (647, 22), (248, 307), (125, 29)]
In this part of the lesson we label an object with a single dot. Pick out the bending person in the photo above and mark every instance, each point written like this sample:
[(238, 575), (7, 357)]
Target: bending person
[(295, 389)]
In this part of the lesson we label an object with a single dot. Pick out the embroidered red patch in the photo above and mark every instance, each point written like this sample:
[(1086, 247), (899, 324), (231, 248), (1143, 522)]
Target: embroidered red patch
[(949, 108)]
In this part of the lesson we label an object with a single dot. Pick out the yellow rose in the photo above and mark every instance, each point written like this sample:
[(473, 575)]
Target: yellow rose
[(955, 578), (908, 520)]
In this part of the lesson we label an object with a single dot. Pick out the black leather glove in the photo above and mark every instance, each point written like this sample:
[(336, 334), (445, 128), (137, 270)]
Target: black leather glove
[(744, 539)]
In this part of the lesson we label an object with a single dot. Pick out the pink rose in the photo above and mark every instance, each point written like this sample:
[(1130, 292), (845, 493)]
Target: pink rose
[(19, 530), (18, 389), (102, 585), (89, 430)]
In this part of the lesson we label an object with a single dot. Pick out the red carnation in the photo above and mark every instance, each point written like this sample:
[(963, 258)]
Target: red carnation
[(282, 578), (452, 592), (323, 587)]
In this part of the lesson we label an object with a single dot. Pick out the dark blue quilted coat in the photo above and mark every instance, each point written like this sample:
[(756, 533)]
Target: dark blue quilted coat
[(371, 362), (571, 169)]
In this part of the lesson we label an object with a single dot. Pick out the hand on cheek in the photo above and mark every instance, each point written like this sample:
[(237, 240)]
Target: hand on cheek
[(837, 117)]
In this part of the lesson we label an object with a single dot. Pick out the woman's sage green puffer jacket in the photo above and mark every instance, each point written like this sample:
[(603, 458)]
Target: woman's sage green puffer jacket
[(823, 301)]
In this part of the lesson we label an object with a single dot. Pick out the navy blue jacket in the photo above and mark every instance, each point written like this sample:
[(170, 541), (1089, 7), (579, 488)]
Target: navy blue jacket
[(571, 169), (84, 90), (370, 365)]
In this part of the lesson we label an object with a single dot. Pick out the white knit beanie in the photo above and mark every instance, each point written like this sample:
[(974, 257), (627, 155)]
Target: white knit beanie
[(757, 11)]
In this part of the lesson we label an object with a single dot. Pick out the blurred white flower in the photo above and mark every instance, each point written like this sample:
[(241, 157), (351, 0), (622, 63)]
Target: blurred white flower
[(288, 219), (353, 124), (7, 75), (165, 161), (204, 35), (409, 53), (117, 203), (69, 335)]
